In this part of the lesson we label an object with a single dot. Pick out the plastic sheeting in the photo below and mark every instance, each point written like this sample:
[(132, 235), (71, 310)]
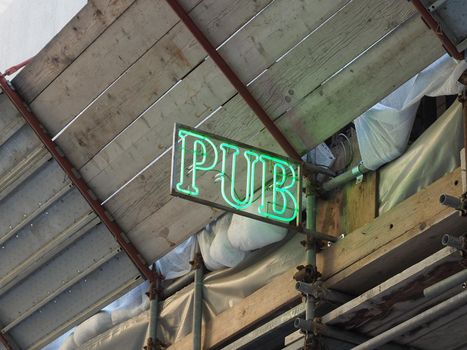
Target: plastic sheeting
[(383, 131), (176, 263), (432, 155), (222, 290)]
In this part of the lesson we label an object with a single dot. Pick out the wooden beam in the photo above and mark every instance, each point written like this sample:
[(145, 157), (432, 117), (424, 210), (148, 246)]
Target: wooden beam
[(146, 210), (409, 232), (67, 45), (397, 298), (199, 94), (169, 60), (110, 54)]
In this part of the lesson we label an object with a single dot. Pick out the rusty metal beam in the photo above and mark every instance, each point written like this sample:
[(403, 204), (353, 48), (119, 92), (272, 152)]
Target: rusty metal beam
[(435, 27), (234, 80), (7, 343), (76, 179)]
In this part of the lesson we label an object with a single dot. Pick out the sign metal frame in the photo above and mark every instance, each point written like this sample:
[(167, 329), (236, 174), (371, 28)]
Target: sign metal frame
[(174, 175)]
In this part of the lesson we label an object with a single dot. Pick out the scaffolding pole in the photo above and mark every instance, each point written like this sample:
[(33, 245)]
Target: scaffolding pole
[(154, 299), (198, 266)]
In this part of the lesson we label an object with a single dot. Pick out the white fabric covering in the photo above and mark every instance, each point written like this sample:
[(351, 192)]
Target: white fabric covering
[(176, 263), (246, 234), (383, 131), (221, 249)]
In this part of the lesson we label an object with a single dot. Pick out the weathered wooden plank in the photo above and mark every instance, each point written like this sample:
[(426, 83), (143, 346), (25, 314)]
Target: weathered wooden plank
[(361, 84), (202, 91), (431, 333), (292, 77), (110, 55), (449, 336), (397, 297), (361, 199), (169, 60), (399, 227), (67, 45), (10, 119), (20, 156), (281, 291)]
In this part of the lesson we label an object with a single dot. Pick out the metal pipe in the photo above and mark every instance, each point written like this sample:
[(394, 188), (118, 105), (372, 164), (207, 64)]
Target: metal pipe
[(310, 253), (451, 201), (426, 316), (344, 178), (198, 300), (178, 284), (463, 99), (152, 342), (459, 243), (234, 80), (76, 180), (446, 284)]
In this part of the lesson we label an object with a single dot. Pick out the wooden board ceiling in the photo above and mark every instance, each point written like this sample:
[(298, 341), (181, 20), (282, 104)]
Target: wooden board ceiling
[(121, 73)]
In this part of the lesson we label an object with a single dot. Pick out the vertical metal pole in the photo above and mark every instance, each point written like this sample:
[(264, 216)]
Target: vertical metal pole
[(152, 342), (198, 299), (310, 252), (464, 108)]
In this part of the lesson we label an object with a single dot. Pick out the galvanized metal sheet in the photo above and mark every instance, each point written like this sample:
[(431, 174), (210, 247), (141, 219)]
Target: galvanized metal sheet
[(51, 231), (72, 264), (32, 198), (10, 120), (20, 157), (77, 303)]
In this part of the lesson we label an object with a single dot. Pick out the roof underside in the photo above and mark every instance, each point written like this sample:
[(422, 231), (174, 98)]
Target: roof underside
[(112, 84)]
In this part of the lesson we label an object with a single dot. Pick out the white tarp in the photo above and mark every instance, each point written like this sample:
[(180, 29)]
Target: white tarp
[(383, 131)]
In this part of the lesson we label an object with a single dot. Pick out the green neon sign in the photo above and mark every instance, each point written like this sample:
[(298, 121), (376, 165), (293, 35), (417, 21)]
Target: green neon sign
[(232, 176)]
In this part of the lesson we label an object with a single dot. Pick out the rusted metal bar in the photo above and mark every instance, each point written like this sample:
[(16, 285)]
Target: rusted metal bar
[(17, 67), (7, 343), (234, 80), (435, 27), (76, 179), (154, 309)]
